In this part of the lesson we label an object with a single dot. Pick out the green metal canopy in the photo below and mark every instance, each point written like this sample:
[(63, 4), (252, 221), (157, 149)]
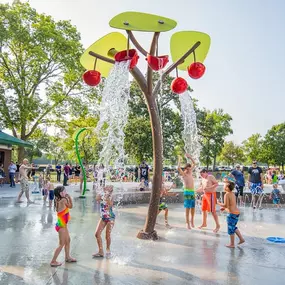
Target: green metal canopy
[(10, 140)]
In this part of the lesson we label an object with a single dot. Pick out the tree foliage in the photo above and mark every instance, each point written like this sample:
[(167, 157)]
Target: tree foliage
[(138, 141), (40, 141), (232, 154), (40, 73), (253, 147), (214, 128), (274, 145), (89, 144)]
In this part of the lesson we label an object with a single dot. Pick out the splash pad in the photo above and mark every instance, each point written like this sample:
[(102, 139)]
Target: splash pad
[(186, 48)]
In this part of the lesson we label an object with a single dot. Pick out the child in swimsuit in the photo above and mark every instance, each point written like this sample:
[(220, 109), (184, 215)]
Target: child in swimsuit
[(107, 221), (275, 195), (189, 193), (142, 185), (45, 191), (62, 204), (50, 189), (233, 215), (162, 205)]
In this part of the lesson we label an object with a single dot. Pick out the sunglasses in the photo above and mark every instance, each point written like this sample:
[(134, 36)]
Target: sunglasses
[(254, 163)]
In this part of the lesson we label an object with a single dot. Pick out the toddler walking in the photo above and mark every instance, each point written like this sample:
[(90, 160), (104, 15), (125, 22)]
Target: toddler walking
[(275, 195)]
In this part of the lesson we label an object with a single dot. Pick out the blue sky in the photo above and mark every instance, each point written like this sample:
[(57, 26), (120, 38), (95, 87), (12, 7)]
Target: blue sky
[(246, 61)]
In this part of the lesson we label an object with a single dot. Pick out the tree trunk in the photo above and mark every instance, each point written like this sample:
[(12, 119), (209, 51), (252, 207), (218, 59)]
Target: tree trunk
[(21, 154), (215, 161), (147, 88), (149, 232), (208, 154)]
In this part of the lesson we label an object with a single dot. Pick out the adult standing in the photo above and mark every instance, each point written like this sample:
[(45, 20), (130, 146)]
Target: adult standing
[(240, 182), (144, 172), (255, 182), (66, 170), (101, 175), (17, 174), (12, 170), (48, 168), (77, 173), (2, 172), (81, 176), (33, 172), (58, 172), (136, 174), (95, 172), (24, 181), (281, 180)]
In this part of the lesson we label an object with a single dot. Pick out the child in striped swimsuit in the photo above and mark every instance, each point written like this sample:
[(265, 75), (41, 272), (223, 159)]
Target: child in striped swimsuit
[(107, 220), (62, 204)]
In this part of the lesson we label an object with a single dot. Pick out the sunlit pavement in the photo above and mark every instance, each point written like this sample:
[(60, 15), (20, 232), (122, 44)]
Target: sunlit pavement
[(28, 239)]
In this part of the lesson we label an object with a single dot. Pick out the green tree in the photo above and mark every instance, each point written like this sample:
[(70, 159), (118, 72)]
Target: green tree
[(253, 147), (138, 141), (274, 145), (56, 150), (232, 153), (214, 128), (39, 69), (40, 141), (89, 142)]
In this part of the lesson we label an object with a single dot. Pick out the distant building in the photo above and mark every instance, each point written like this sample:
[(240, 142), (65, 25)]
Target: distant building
[(6, 144)]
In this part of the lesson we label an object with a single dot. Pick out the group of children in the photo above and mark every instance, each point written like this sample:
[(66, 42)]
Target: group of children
[(47, 189), (209, 200), (63, 202)]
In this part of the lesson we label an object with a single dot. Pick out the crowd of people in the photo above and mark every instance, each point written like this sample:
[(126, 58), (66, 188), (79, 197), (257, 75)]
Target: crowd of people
[(234, 183)]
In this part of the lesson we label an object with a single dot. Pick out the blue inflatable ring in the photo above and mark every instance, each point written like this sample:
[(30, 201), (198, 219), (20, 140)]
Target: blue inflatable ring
[(276, 239)]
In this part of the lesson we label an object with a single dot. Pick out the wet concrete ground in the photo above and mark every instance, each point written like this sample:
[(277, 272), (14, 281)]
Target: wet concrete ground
[(28, 240)]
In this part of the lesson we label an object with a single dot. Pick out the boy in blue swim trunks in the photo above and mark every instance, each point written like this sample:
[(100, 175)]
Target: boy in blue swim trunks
[(233, 215), (275, 195), (189, 193), (50, 189)]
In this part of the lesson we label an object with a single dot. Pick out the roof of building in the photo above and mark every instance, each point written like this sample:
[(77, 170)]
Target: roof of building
[(10, 140)]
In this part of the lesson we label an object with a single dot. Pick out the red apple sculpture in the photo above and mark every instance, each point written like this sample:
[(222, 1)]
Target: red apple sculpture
[(92, 77), (179, 85), (196, 70), (157, 62)]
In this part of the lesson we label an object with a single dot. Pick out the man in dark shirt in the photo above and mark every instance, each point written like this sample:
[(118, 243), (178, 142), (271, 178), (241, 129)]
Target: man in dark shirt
[(240, 183), (136, 174), (255, 182), (17, 172), (77, 170), (58, 172), (144, 171)]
